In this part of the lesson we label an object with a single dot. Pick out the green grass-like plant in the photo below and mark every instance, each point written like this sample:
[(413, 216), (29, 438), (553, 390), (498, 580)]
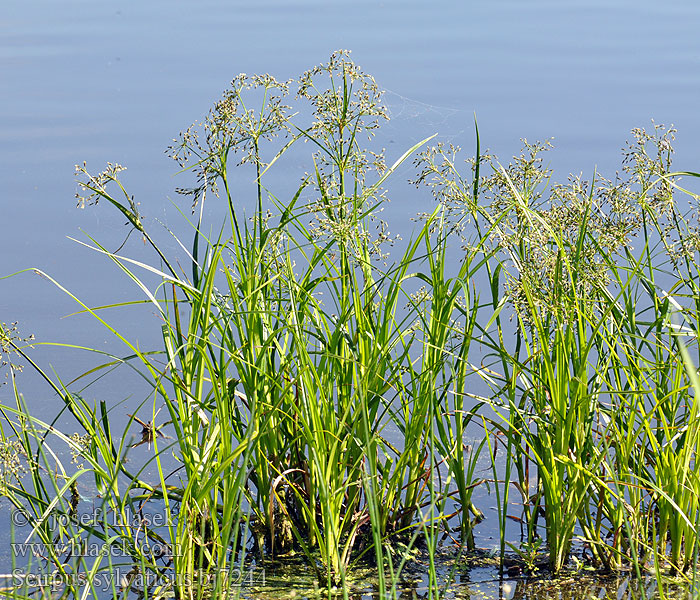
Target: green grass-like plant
[(314, 397)]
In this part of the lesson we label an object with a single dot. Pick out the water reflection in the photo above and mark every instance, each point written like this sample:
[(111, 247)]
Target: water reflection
[(479, 583), (580, 587)]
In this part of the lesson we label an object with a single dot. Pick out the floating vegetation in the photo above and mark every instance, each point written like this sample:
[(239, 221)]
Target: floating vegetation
[(313, 398)]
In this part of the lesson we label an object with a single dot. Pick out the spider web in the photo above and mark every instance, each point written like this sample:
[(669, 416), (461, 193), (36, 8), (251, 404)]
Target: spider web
[(411, 121)]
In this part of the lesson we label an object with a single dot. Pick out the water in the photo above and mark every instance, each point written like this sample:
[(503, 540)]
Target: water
[(94, 81), (98, 81)]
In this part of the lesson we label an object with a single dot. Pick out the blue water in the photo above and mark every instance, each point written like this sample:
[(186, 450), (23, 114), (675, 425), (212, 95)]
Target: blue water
[(102, 81), (97, 81)]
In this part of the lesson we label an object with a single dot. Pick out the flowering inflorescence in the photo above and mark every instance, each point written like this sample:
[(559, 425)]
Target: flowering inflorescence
[(12, 467), (345, 104), (9, 337), (233, 127), (93, 187), (343, 97), (556, 239)]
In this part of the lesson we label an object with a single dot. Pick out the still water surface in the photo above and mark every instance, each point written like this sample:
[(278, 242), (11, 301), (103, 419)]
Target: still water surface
[(102, 81)]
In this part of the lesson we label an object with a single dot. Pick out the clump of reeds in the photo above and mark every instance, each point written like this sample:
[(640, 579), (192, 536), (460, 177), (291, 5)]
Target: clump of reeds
[(292, 345), (596, 387)]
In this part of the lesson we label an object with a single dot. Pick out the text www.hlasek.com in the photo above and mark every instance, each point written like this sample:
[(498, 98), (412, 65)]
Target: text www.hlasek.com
[(86, 549)]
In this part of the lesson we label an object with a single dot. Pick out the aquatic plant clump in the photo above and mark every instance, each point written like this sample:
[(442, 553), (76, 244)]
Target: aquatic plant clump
[(314, 397)]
